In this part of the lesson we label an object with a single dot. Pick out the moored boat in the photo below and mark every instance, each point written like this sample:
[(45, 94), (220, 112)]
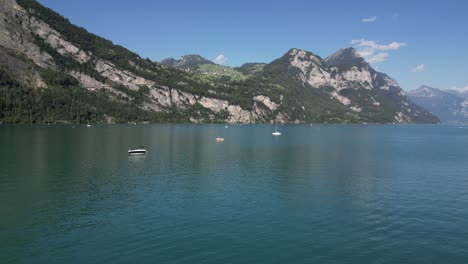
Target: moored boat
[(138, 151), (276, 133)]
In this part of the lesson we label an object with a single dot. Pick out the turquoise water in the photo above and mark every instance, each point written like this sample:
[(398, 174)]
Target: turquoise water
[(320, 194)]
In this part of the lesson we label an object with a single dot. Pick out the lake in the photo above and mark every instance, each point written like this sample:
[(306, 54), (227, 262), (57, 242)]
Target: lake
[(316, 194)]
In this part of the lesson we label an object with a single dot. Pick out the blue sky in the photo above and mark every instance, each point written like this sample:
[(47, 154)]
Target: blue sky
[(415, 42)]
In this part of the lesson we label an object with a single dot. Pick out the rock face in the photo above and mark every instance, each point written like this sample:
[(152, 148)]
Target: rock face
[(299, 87), (20, 30), (111, 72), (16, 34), (348, 79), (19, 70), (449, 105), (166, 97)]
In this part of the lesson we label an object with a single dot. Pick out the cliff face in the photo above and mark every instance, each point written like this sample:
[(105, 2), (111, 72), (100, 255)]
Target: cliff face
[(41, 49), (347, 79), (32, 40)]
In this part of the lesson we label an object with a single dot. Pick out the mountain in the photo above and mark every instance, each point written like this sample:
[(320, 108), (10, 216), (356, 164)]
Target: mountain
[(346, 58), (459, 92), (187, 62), (451, 106), (52, 70), (346, 83)]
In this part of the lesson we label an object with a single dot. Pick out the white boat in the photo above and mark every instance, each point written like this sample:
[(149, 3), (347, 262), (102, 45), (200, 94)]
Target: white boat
[(276, 133), (137, 151), (88, 125)]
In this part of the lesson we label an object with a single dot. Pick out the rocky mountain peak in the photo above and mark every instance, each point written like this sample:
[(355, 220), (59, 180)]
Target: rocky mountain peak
[(303, 55), (347, 56)]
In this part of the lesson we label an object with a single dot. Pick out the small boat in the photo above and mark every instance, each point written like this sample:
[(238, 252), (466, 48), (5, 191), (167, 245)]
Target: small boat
[(219, 139), (276, 133), (88, 125), (137, 151)]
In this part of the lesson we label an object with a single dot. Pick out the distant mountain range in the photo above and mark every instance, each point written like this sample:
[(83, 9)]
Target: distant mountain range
[(451, 106), (51, 70)]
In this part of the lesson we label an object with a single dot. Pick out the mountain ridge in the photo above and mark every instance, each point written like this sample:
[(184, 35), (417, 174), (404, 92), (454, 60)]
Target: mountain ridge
[(451, 106), (186, 62), (99, 79)]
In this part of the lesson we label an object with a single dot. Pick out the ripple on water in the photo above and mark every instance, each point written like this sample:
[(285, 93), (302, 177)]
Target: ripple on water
[(327, 194)]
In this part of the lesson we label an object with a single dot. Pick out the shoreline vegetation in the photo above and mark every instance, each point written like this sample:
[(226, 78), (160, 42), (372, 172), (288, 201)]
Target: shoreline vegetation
[(75, 105)]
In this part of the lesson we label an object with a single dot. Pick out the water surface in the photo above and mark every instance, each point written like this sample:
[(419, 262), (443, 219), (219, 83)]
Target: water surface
[(320, 194)]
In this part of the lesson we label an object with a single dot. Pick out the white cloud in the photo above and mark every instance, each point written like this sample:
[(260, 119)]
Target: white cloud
[(460, 89), (419, 68), (372, 51), (366, 52), (379, 57), (369, 19), (221, 59), (375, 46)]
